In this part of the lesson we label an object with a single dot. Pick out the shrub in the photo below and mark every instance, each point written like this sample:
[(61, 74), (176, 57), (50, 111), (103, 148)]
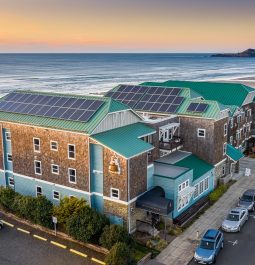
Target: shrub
[(67, 207), (217, 193), (7, 196), (86, 225), (120, 254), (43, 211), (24, 206), (113, 234)]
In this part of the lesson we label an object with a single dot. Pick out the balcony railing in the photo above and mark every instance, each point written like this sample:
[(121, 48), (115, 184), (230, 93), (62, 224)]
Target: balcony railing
[(172, 144)]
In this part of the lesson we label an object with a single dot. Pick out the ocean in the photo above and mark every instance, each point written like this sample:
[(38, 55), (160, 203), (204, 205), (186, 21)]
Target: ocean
[(97, 73)]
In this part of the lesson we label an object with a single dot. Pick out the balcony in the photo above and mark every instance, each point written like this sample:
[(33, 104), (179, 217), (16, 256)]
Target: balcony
[(173, 144)]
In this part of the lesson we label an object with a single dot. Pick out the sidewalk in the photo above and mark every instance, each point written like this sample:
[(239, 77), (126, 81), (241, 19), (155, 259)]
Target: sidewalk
[(181, 250)]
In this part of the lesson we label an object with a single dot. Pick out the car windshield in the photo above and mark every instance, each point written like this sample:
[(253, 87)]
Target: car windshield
[(246, 198), (233, 217), (207, 244)]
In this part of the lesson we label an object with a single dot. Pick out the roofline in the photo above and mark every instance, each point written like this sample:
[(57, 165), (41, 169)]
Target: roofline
[(161, 176)]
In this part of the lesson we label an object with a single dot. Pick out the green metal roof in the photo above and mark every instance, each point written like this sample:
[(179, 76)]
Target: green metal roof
[(224, 93), (109, 106), (125, 140), (199, 166), (234, 153)]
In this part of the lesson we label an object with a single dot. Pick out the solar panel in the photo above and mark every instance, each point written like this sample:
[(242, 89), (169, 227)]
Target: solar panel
[(197, 107), (50, 106)]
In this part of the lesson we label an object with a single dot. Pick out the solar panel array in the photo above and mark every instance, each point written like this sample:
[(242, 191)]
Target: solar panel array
[(197, 107), (67, 108), (148, 98)]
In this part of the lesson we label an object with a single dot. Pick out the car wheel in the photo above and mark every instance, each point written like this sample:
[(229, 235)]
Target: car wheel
[(239, 228), (1, 226), (214, 260), (253, 208), (222, 245)]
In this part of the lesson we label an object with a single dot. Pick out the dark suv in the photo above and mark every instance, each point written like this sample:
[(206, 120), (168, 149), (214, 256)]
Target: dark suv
[(248, 200)]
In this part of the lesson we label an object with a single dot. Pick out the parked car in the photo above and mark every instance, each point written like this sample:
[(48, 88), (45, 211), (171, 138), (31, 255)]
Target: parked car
[(1, 224), (248, 200), (211, 244), (235, 220)]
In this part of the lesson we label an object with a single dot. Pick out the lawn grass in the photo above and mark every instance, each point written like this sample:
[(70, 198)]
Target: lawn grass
[(141, 251)]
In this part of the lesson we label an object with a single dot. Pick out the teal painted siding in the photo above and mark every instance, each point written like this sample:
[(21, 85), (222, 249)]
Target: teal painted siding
[(27, 186), (7, 150), (97, 202), (2, 179), (150, 181), (96, 168)]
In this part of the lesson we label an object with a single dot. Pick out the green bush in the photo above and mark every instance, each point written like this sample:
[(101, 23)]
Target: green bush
[(67, 207), (113, 234), (86, 225), (217, 193), (120, 254), (43, 212), (24, 206), (7, 197)]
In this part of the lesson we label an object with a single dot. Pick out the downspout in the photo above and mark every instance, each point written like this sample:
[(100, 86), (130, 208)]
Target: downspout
[(1, 126), (128, 169)]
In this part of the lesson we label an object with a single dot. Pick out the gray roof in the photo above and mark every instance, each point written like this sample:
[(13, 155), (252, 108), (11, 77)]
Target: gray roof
[(168, 171), (173, 157)]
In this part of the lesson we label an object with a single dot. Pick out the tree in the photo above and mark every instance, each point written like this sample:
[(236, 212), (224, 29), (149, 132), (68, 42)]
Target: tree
[(113, 234), (86, 225), (120, 254), (67, 207)]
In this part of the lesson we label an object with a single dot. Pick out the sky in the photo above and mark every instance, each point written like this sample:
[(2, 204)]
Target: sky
[(126, 25)]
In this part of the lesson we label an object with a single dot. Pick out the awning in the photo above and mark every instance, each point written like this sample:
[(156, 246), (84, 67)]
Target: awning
[(154, 201), (234, 153)]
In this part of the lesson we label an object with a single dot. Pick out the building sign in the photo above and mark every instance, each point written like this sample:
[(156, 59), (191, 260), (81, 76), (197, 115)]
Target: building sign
[(114, 166)]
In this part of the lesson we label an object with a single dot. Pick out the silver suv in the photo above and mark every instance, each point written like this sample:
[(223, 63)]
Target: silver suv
[(248, 200), (235, 220)]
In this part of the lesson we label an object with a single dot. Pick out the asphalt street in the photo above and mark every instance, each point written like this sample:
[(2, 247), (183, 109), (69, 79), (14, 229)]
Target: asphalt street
[(239, 248), (22, 245)]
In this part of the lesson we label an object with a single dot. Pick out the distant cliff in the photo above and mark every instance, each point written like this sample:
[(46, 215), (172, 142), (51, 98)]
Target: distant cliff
[(246, 53)]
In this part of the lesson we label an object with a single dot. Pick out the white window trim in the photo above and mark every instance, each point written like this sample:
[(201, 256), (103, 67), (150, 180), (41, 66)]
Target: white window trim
[(37, 151), (180, 185), (7, 155), (231, 123), (225, 129), (36, 190), (72, 158), (6, 138), (51, 146), (207, 178), (69, 175), (231, 140), (113, 197), (194, 197), (202, 131), (57, 199), (12, 185), (203, 185), (224, 149), (223, 171), (56, 173), (40, 167)]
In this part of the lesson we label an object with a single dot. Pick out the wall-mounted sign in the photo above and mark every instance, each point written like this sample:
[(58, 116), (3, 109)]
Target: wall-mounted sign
[(114, 166)]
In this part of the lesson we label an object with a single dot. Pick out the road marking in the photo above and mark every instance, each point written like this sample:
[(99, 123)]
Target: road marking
[(98, 261), (39, 237), (57, 244), (233, 242), (78, 253), (23, 231), (6, 223)]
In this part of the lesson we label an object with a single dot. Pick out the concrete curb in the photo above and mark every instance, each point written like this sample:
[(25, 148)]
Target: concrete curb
[(59, 234)]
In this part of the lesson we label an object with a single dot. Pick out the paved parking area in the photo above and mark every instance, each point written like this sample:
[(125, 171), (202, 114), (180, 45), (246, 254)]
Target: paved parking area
[(181, 250)]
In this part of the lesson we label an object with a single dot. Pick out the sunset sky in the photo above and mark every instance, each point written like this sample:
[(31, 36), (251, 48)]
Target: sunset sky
[(126, 25)]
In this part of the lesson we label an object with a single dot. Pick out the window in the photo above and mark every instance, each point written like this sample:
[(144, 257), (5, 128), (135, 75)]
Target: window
[(56, 195), (201, 187), (71, 151), (9, 157), (8, 136), (183, 185), (223, 171), (11, 181), (55, 169), (237, 135), (231, 123), (38, 191), (206, 184), (248, 112), (37, 147), (239, 118), (200, 132), (224, 148), (231, 140), (72, 175), (53, 145), (115, 193), (196, 192), (38, 167), (225, 129)]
